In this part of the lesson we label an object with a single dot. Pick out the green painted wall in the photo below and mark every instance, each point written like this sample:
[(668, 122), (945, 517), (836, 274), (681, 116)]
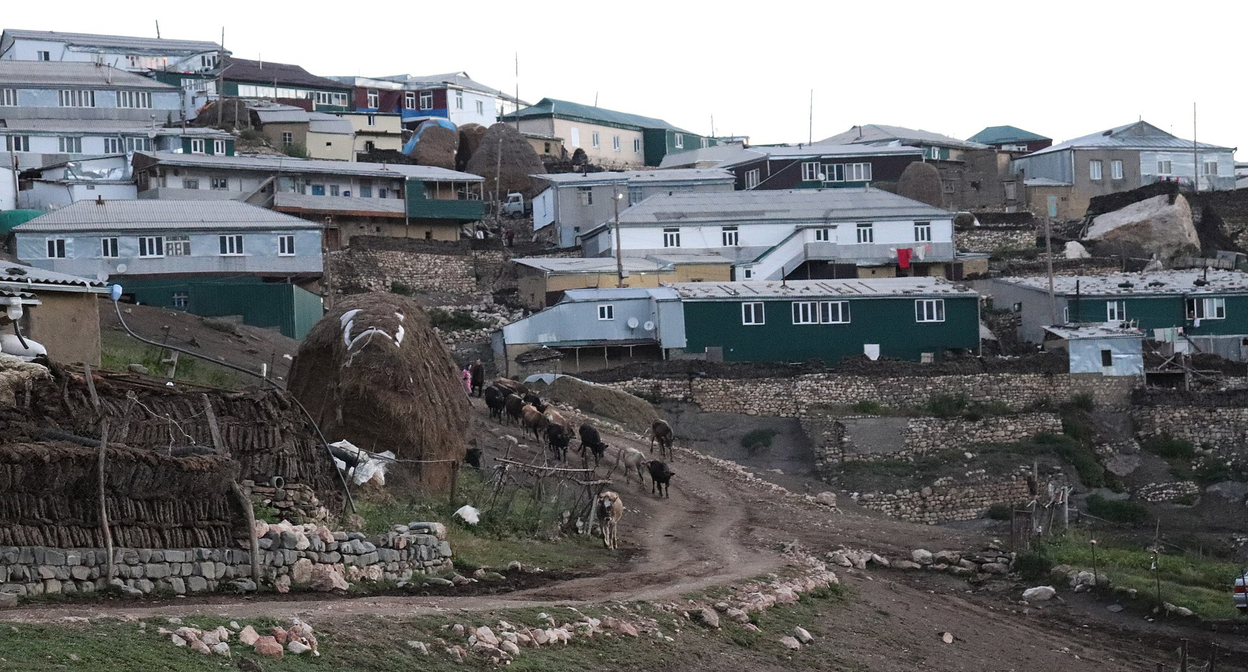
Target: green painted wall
[(659, 142), (1165, 312), (208, 146), (288, 308), (432, 208), (888, 322)]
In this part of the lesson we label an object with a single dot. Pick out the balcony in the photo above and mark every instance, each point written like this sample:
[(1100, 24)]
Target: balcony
[(438, 208)]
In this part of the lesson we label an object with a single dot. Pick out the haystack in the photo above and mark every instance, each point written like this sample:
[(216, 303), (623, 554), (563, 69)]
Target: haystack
[(469, 141), (374, 372), (437, 147), (921, 182), (519, 161)]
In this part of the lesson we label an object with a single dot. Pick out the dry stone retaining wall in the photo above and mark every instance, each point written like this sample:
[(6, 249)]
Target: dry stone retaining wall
[(934, 505), (1224, 429), (985, 239)]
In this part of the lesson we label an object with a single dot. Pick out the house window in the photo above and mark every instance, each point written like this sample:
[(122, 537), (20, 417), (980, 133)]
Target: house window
[(1107, 358), (671, 237), (221, 183), (318, 189), (1211, 168), (197, 146), (232, 245), (823, 235), (480, 107), (459, 100), (17, 143), (752, 178), (576, 137), (177, 246), (1115, 169), (866, 233), (810, 171), (1094, 170), (190, 183), (369, 147), (426, 100), (218, 147), (594, 139), (747, 273), (615, 142), (635, 195), (933, 153), (151, 246), (922, 232), (382, 192), (139, 144), (409, 100), (366, 189), (180, 299), (636, 145), (286, 245), (752, 313), (77, 98), (374, 100), (1163, 167), (706, 142), (8, 97), (108, 248), (1206, 309), (114, 146), (56, 248), (586, 195), (288, 138), (1115, 311), (371, 120), (333, 188), (805, 312), (69, 145), (141, 99), (834, 172), (929, 310), (606, 311), (678, 139), (858, 172), (730, 236), (44, 55), (834, 312)]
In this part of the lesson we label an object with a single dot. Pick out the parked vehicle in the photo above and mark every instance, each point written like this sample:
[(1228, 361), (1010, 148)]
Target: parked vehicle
[(516, 206), (1240, 594)]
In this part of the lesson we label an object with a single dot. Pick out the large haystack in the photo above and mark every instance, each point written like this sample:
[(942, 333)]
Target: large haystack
[(469, 140), (374, 372), (519, 161), (437, 147), (921, 182)]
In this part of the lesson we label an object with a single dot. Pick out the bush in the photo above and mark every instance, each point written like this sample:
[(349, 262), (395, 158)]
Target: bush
[(1033, 565), (296, 151), (1078, 454), (1118, 511), (947, 405), (251, 135), (1083, 401), (1001, 511), (868, 407), (1215, 471), (1170, 447), (397, 287), (454, 320), (223, 326), (758, 439)]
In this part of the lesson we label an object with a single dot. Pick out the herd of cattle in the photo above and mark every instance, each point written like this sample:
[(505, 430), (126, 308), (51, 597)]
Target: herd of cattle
[(512, 402)]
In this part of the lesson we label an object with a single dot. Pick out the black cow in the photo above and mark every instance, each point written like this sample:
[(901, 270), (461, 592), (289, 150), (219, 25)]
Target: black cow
[(591, 439), (536, 401), (557, 439), (661, 478), (513, 403), (496, 401), (472, 457)]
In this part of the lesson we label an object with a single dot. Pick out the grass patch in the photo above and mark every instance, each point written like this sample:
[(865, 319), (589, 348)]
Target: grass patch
[(454, 320), (118, 351), (402, 289), (947, 405), (1213, 471), (1170, 448), (868, 407), (1118, 511), (1034, 565), (1001, 511), (223, 326), (758, 439)]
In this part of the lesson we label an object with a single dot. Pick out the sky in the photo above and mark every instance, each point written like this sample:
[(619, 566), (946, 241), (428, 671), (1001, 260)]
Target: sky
[(1060, 68)]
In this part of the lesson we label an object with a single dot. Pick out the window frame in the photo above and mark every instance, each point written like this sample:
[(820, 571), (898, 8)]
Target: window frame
[(179, 300), (805, 312), (288, 138), (595, 140), (1107, 355), (151, 247), (426, 100), (1115, 310), (635, 196), (8, 97), (810, 171), (1096, 170), (69, 144), (1199, 308), (57, 248), (201, 143), (1115, 169), (753, 178), (922, 314), (841, 308), (867, 228), (1205, 168), (219, 183), (17, 143), (286, 245), (481, 107), (81, 98), (615, 142), (671, 237), (108, 248), (178, 246), (230, 245), (585, 195), (1168, 167), (134, 100), (823, 234), (218, 147), (459, 100), (114, 145), (372, 99), (606, 312), (857, 172), (636, 145), (730, 236), (753, 313), (678, 140), (922, 232)]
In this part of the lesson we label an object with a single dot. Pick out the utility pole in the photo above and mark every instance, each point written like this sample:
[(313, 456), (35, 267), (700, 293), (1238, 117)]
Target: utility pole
[(619, 254), (517, 92), (158, 29)]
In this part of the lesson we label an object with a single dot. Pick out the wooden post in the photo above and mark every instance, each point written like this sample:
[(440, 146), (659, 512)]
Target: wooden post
[(1213, 656), (95, 398), (1183, 656), (104, 531), (245, 501), (454, 480), (217, 443)]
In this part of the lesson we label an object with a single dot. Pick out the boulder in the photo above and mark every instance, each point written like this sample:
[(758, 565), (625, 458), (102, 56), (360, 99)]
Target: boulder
[(1161, 225), (708, 617), (802, 635), (268, 646), (947, 557), (248, 636), (994, 568), (840, 558), (327, 578), (826, 498), (282, 584), (484, 634), (737, 616), (1039, 593), (301, 572), (921, 556), (1076, 250), (906, 564), (790, 643)]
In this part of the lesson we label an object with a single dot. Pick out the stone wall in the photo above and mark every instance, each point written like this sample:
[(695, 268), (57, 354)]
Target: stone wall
[(797, 396), (1220, 428), (374, 264), (946, 502), (288, 556), (1168, 492), (991, 239)]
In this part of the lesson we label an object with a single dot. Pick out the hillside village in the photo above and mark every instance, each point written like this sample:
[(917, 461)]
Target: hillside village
[(305, 368)]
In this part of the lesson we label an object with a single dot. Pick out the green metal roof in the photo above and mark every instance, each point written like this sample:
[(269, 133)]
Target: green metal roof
[(995, 135), (9, 219), (550, 107)]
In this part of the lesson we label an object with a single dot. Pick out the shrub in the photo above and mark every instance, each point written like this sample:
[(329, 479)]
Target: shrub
[(1033, 565), (1078, 454), (1213, 471), (1118, 511), (454, 320), (296, 151), (1083, 401), (947, 405), (251, 135), (1170, 447), (397, 287), (224, 326), (1001, 511), (758, 439), (867, 406)]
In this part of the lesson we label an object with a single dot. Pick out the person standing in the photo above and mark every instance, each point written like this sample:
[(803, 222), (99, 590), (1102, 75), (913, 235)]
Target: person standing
[(478, 378), (467, 376)]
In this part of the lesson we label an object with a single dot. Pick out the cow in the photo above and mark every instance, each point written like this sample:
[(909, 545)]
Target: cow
[(515, 408), (533, 421), (496, 401), (472, 457), (660, 477), (535, 401), (557, 439), (633, 460), (511, 386), (609, 510), (662, 432), (591, 439)]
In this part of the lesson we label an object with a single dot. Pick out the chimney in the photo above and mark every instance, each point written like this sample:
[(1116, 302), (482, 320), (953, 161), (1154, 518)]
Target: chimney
[(99, 200)]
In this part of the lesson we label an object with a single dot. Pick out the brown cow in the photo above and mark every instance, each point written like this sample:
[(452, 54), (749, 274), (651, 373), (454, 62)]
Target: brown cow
[(609, 510), (532, 420), (662, 432)]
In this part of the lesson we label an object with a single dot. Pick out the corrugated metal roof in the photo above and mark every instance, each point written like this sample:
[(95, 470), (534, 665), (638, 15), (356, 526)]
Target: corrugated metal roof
[(664, 293), (1073, 332), (821, 151), (319, 122), (1140, 284), (283, 74), (87, 40), (153, 214), (101, 126), (673, 175), (13, 272), (28, 74), (455, 79), (803, 205), (547, 107), (1138, 135), (717, 154), (996, 135), (879, 133), (278, 114), (799, 289), (386, 207), (589, 264), (298, 166)]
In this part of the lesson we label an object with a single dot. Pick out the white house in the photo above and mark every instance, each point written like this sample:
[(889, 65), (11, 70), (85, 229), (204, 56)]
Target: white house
[(94, 178), (797, 234), (136, 54)]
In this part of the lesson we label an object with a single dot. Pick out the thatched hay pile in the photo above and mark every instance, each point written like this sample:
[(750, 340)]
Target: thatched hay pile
[(228, 113), (921, 182), (519, 161), (437, 147), (469, 141), (49, 497), (374, 372), (16, 374)]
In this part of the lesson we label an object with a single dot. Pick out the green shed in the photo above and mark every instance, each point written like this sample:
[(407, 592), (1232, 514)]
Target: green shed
[(285, 307)]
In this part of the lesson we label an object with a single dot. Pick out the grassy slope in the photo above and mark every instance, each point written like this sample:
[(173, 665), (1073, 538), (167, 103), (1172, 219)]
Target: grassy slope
[(118, 351)]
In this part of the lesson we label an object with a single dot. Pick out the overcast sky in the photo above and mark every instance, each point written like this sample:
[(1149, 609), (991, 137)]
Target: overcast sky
[(1058, 68)]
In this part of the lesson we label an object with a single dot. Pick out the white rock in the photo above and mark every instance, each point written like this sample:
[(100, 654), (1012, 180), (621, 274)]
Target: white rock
[(790, 643), (1039, 593), (802, 635), (921, 556), (297, 647)]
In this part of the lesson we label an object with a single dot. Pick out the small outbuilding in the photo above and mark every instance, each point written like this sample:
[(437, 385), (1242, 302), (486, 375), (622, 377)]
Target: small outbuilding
[(1106, 349)]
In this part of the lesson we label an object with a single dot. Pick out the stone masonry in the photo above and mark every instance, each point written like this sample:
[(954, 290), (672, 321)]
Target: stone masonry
[(946, 502), (992, 239), (1221, 428)]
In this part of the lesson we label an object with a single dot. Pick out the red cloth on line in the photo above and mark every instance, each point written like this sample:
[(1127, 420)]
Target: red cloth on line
[(903, 257)]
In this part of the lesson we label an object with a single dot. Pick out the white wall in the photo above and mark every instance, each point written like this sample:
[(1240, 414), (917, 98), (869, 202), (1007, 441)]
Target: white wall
[(8, 189), (468, 115), (544, 208)]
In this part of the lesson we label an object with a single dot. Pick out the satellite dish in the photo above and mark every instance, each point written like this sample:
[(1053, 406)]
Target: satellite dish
[(121, 268), (648, 326), (632, 323)]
